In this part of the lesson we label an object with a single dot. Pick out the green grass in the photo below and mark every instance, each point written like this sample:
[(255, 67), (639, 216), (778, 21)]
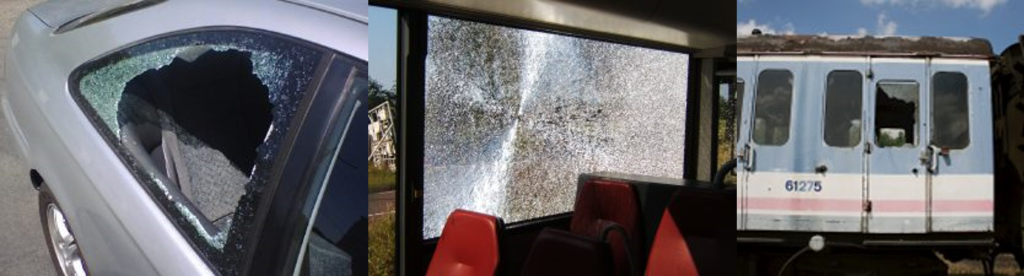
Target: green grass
[(725, 151), (382, 245), (380, 179)]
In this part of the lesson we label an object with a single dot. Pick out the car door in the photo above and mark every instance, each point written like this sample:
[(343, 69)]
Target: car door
[(315, 221), (961, 173), (897, 192)]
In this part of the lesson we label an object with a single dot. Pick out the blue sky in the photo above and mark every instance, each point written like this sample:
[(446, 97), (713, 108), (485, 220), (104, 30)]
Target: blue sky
[(999, 21), (383, 45)]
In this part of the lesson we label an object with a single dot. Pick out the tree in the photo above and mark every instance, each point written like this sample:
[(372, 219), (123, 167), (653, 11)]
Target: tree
[(378, 94)]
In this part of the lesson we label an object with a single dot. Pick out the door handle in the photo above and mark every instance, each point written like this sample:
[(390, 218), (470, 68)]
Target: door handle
[(746, 155), (933, 152)]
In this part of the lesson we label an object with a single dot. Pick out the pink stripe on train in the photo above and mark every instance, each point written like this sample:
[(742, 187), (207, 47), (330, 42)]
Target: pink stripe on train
[(853, 205)]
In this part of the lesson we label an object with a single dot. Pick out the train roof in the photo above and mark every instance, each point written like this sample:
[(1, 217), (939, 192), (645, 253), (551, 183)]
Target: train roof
[(899, 46)]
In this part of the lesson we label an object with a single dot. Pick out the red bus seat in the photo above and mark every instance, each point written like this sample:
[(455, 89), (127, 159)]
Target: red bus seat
[(468, 246), (558, 253), (695, 236), (603, 206)]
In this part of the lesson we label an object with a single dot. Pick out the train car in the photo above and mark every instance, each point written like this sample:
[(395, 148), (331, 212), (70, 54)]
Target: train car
[(874, 147)]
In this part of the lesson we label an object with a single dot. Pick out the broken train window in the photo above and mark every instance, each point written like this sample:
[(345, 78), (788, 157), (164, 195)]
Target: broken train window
[(198, 118)]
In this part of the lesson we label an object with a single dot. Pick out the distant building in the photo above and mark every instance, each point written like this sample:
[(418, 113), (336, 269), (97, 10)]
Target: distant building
[(382, 136)]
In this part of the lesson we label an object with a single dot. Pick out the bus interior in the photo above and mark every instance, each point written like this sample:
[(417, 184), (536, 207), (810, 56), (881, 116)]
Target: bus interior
[(564, 137)]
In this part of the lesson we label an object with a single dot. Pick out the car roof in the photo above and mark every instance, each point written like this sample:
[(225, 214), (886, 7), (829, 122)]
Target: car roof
[(357, 10), (343, 33)]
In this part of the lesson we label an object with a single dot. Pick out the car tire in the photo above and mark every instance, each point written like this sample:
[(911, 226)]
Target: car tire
[(49, 212)]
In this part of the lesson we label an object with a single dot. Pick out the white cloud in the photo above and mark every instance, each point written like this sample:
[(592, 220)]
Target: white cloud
[(886, 27), (746, 28), (985, 6)]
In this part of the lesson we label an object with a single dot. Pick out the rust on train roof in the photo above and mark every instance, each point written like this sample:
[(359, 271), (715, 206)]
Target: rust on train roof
[(864, 46)]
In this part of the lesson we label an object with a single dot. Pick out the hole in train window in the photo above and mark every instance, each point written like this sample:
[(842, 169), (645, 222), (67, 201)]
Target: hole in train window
[(843, 108), (198, 118), (950, 117), (896, 114), (514, 116), (772, 107)]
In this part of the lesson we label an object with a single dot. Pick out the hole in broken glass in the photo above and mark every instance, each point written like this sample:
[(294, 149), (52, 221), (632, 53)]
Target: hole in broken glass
[(197, 123)]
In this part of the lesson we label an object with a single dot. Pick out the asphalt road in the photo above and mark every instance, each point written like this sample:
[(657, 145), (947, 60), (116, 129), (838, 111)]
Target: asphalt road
[(22, 246), (382, 203)]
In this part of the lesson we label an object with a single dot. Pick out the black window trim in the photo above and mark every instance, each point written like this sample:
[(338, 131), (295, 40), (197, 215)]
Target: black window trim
[(280, 216), (284, 149)]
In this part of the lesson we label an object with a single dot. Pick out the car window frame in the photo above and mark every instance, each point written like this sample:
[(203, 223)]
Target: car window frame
[(286, 144), (274, 248)]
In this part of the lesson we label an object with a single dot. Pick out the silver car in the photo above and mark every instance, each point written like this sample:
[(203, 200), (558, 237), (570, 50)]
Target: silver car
[(194, 137)]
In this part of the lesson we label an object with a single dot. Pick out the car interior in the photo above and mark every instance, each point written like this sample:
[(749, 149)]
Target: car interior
[(198, 122)]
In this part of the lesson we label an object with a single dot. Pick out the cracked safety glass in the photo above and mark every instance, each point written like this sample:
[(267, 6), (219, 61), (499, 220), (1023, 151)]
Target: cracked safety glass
[(198, 117), (514, 116)]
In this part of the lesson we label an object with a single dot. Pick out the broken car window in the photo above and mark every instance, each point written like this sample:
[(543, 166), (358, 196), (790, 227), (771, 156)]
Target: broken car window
[(199, 117)]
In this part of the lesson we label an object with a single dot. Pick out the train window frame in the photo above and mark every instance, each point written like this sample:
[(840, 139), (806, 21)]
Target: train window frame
[(915, 127), (962, 100), (757, 108), (829, 111), (740, 93)]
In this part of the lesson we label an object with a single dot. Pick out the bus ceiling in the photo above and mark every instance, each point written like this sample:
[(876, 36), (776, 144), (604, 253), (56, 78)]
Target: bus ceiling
[(670, 23), (889, 46)]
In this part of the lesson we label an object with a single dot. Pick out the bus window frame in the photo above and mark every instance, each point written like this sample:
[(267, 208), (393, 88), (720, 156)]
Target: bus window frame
[(412, 24)]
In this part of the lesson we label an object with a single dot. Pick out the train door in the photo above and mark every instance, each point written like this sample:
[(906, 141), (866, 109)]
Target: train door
[(960, 148), (896, 190), (743, 73), (837, 171), (767, 148)]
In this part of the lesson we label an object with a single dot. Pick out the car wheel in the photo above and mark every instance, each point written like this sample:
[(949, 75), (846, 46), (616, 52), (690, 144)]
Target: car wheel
[(64, 250)]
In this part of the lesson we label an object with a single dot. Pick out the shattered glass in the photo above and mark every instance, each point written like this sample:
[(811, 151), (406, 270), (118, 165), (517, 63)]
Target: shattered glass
[(221, 202), (514, 116)]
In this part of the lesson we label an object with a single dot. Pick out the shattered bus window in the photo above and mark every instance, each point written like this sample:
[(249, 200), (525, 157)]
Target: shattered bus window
[(198, 117), (514, 116)]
